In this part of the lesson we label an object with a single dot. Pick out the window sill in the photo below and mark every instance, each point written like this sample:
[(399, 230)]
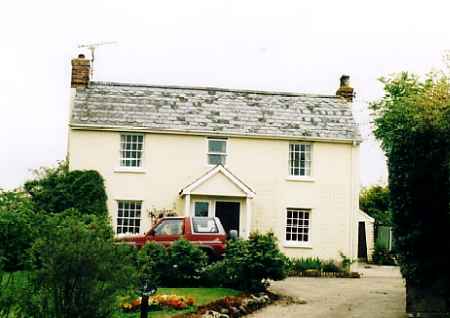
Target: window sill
[(297, 245), (129, 170), (300, 179)]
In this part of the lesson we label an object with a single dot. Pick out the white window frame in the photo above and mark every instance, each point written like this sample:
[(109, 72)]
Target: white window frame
[(297, 243), (210, 210), (225, 154), (291, 168), (123, 159), (128, 217)]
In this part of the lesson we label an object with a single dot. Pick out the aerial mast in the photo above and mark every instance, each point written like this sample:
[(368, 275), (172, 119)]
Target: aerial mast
[(92, 47)]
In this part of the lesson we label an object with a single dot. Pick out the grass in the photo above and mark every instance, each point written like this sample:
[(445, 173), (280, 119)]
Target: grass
[(202, 296)]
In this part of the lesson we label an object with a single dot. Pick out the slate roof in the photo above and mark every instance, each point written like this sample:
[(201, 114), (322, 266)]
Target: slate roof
[(214, 111)]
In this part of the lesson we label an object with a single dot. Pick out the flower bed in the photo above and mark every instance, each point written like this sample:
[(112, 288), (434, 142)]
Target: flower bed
[(159, 302)]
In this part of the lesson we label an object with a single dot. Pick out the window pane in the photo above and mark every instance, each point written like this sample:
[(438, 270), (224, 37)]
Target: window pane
[(170, 227), (300, 159), (217, 146), (131, 149), (297, 228), (204, 225), (201, 209), (216, 159), (128, 216)]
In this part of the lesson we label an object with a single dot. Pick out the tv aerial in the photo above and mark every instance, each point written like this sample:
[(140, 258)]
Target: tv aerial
[(92, 47)]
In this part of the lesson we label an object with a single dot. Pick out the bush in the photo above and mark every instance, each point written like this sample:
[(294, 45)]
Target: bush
[(346, 263), (152, 263), (330, 266), (17, 230), (381, 256), (185, 263), (299, 265), (248, 265), (76, 269), (58, 189)]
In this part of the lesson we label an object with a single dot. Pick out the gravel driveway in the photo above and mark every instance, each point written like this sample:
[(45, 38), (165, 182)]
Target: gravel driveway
[(380, 293)]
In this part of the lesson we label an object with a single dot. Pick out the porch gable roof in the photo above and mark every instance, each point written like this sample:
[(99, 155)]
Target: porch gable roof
[(209, 175)]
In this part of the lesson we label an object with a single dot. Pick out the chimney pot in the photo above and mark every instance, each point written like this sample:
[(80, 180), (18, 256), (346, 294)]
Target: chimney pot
[(345, 90), (81, 68)]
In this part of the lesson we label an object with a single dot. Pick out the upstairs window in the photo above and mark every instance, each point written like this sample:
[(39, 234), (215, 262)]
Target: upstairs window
[(129, 217), (131, 150), (298, 225), (300, 159), (217, 151)]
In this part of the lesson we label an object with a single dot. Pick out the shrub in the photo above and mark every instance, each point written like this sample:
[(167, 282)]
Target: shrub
[(185, 262), (58, 189), (382, 256), (152, 263), (17, 231), (346, 263), (248, 265), (330, 266), (299, 265), (76, 269)]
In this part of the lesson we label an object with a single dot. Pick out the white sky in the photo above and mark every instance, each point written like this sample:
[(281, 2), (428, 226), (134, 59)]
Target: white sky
[(301, 46)]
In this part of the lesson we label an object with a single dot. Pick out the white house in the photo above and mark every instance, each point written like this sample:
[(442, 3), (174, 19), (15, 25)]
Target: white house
[(285, 162)]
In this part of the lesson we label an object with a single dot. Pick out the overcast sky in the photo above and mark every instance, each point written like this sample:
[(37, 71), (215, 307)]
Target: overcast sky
[(300, 46)]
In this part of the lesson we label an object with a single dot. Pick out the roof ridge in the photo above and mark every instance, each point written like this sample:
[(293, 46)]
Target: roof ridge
[(210, 88)]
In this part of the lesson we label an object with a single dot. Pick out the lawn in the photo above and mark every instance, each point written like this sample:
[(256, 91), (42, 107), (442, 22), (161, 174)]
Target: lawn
[(201, 296)]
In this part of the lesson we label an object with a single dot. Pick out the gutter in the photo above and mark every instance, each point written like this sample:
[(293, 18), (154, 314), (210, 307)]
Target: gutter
[(92, 127)]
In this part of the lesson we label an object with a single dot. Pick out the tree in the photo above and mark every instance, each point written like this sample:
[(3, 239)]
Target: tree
[(55, 190), (77, 270), (17, 229), (374, 201), (413, 124)]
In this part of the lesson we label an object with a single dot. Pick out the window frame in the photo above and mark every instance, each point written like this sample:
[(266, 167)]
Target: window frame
[(291, 168), (297, 243), (124, 159), (224, 154), (128, 217)]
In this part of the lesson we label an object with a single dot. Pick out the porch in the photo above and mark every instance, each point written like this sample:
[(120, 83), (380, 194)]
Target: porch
[(219, 193)]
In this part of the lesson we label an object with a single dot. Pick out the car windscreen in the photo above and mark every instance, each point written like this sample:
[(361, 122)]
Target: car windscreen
[(204, 225)]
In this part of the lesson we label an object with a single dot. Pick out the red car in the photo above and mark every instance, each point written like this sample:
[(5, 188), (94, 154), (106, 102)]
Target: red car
[(205, 232)]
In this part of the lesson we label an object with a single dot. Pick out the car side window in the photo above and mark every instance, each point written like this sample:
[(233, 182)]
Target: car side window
[(170, 227)]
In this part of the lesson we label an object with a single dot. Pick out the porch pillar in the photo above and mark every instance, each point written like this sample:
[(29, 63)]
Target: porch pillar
[(187, 204), (248, 225)]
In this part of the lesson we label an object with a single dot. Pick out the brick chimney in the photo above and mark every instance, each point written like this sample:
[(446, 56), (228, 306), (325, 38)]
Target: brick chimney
[(81, 68), (345, 90)]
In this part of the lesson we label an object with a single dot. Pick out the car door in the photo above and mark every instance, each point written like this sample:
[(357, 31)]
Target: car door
[(168, 231)]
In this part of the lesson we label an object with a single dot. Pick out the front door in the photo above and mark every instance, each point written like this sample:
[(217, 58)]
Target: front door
[(362, 242), (228, 213)]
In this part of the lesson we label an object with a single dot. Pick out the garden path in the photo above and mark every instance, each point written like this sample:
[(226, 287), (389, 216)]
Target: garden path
[(380, 293)]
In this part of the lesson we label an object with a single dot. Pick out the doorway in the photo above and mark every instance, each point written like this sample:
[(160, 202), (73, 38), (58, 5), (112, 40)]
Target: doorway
[(362, 241), (228, 213)]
